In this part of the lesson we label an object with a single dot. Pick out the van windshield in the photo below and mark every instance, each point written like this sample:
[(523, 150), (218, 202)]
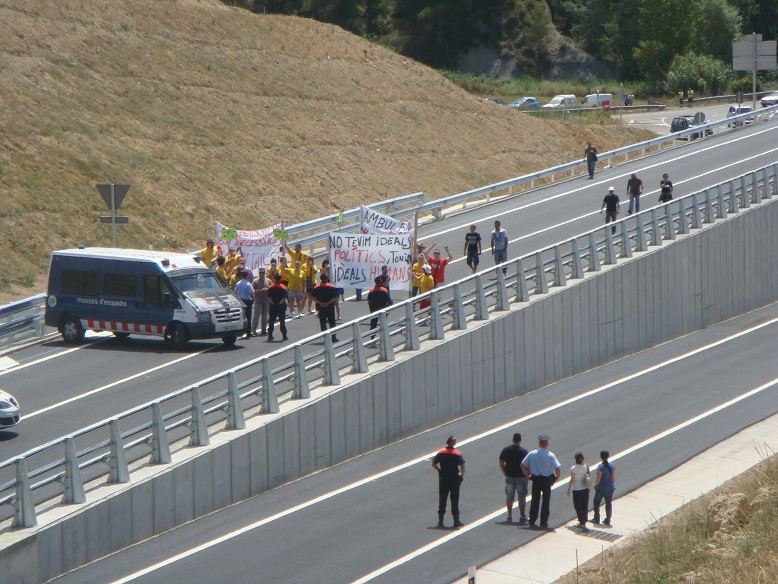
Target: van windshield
[(197, 280)]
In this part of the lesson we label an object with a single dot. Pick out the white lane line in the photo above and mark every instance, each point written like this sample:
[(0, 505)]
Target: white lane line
[(470, 526), (308, 504), (59, 404), (48, 358)]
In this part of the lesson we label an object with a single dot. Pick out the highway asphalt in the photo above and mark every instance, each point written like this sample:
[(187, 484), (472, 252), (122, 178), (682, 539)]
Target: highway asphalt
[(62, 388), (373, 518)]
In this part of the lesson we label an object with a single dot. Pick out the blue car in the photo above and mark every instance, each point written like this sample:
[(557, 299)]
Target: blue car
[(525, 103)]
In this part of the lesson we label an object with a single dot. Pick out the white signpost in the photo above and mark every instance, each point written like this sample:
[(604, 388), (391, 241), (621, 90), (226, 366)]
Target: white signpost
[(753, 54)]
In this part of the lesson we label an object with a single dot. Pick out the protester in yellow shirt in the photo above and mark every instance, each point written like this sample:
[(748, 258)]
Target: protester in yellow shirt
[(295, 288), (220, 261), (297, 254), (310, 270), (417, 270), (233, 257), (426, 283), (208, 253)]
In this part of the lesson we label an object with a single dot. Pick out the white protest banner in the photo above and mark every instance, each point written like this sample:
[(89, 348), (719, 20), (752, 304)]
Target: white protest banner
[(257, 247), (356, 260), (374, 222)]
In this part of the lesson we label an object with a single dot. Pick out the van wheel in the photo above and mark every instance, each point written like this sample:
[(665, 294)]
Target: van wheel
[(229, 341), (177, 335), (71, 330)]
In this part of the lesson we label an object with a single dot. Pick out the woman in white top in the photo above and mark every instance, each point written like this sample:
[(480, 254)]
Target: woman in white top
[(578, 474)]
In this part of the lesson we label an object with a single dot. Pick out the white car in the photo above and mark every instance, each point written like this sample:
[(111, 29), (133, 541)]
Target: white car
[(770, 99), (9, 410), (562, 102), (737, 110)]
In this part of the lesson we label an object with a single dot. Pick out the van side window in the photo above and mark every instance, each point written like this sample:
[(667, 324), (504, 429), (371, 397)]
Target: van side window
[(79, 282), (154, 290), (122, 285)]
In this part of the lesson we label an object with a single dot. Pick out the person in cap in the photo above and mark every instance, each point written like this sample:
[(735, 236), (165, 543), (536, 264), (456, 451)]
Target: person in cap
[(611, 206), (450, 465), (261, 305), (426, 283), (208, 253), (542, 468), (515, 481)]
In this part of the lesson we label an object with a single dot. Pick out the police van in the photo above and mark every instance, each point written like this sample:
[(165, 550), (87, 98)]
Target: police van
[(139, 292)]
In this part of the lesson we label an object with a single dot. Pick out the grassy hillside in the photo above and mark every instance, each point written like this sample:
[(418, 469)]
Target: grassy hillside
[(214, 113)]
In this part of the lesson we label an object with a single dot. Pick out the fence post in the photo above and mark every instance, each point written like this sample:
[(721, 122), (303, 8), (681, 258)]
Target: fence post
[(385, 349), (745, 197), (754, 187), (301, 389), (160, 450), (626, 244), (199, 434), (74, 486), (733, 204), (502, 302), (696, 215), (767, 191), (481, 310), (541, 286), (24, 509), (411, 334), (269, 395), (576, 271), (610, 249), (641, 233), (358, 358), (436, 324), (594, 254), (522, 289), (708, 207), (683, 225), (331, 373), (559, 267), (721, 211), (119, 471), (235, 418), (458, 310), (669, 225)]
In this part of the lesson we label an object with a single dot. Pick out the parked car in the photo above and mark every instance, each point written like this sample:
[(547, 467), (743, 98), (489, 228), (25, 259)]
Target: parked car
[(9, 410), (525, 103), (770, 99), (737, 110), (681, 123), (562, 101), (597, 100)]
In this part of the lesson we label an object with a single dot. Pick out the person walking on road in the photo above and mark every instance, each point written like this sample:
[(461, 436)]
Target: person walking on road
[(590, 155), (245, 292), (634, 189), (500, 245), (451, 471), (666, 187), (277, 297), (611, 205), (515, 481), (578, 475), (472, 248), (542, 468), (604, 487)]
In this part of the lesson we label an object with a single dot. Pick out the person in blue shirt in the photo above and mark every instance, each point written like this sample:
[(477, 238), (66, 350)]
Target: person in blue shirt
[(604, 486), (542, 468), (245, 291)]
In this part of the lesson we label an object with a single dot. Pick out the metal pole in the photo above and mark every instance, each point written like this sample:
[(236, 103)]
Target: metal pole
[(113, 215), (753, 77)]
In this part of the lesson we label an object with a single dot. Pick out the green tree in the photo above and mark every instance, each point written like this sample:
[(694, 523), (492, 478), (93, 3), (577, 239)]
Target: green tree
[(665, 28), (702, 73), (344, 13), (718, 16), (527, 31)]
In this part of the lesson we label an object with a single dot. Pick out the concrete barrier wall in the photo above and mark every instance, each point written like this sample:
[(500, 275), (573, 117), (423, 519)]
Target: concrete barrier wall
[(713, 274)]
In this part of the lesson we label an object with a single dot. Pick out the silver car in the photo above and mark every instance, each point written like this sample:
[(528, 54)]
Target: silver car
[(9, 410)]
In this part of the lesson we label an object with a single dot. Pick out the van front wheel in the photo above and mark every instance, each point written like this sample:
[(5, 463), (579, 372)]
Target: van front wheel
[(177, 335), (71, 330), (229, 340)]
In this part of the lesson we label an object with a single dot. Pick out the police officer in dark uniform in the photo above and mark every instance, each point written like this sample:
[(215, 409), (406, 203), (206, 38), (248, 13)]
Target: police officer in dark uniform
[(377, 299), (276, 296), (451, 470)]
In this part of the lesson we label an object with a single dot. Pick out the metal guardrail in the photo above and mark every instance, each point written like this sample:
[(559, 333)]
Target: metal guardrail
[(190, 416), (22, 321)]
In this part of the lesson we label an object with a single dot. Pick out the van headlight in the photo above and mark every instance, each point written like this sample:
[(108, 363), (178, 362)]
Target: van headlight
[(204, 318)]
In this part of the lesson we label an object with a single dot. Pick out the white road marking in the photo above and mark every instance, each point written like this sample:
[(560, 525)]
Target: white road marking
[(308, 504), (59, 404)]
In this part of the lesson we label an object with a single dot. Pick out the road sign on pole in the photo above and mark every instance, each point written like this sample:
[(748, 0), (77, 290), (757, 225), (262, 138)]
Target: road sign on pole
[(113, 195), (753, 54)]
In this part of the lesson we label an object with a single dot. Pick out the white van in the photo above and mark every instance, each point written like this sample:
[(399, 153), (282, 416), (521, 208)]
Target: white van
[(597, 100), (139, 292), (562, 102)]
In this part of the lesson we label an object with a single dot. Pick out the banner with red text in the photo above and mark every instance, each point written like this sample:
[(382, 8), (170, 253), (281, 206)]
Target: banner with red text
[(356, 260), (374, 222), (258, 246)]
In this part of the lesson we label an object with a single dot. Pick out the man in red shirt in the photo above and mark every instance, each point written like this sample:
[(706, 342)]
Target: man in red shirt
[(438, 266), (325, 295)]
